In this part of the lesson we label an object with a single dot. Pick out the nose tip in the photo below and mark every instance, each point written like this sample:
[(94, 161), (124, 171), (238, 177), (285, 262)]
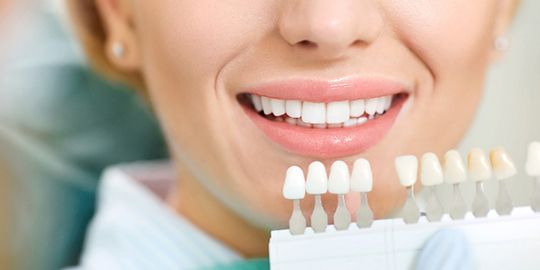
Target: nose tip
[(332, 37), (328, 27)]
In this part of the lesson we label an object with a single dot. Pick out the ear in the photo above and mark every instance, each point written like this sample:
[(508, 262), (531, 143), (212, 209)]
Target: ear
[(504, 17), (117, 20)]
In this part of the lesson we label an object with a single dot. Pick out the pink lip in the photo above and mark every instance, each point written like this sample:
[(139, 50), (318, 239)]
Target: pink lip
[(328, 91), (332, 142)]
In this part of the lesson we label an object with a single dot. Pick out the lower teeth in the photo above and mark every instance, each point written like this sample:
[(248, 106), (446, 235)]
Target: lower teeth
[(352, 122)]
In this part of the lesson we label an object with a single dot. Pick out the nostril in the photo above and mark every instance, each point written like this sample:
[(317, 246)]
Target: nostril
[(357, 43), (307, 44)]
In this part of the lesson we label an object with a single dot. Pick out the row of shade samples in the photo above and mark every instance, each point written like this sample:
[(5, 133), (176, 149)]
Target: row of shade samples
[(454, 170)]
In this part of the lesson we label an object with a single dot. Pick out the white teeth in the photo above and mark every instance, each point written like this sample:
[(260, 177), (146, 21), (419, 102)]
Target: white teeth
[(358, 107), (362, 120), (294, 187), (339, 179), (337, 112), (266, 105), (431, 172), (334, 125), (316, 114), (454, 168), (407, 170), (532, 166), (290, 120), (303, 124), (256, 100), (278, 106), (313, 113), (351, 122), (478, 165), (371, 106), (388, 103), (381, 103), (361, 176), (293, 108), (502, 164), (317, 179)]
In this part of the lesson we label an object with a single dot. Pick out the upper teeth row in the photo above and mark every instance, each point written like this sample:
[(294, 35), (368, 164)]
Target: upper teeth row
[(337, 112)]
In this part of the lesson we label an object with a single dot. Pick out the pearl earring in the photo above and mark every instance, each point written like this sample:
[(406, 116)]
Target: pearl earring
[(118, 49), (501, 43)]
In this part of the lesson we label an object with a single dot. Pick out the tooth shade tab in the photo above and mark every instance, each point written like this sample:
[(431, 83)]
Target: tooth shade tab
[(317, 179), (294, 187), (479, 168), (502, 164), (431, 173), (532, 167), (337, 112), (361, 176), (454, 168), (407, 170), (339, 179)]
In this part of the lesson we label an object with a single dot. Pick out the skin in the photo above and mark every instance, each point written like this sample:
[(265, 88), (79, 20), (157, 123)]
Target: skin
[(195, 56)]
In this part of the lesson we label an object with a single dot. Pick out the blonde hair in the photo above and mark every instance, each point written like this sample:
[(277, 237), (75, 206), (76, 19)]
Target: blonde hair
[(92, 34)]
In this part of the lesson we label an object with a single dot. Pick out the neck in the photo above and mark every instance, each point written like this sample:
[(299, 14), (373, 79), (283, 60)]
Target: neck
[(195, 203)]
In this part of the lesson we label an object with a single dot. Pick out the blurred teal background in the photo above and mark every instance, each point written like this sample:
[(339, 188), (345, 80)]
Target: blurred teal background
[(60, 126)]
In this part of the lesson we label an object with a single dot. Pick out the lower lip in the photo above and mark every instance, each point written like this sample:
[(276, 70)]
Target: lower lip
[(327, 143)]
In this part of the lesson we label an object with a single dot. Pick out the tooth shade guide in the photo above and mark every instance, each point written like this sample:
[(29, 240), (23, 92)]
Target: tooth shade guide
[(297, 222), (434, 209), (454, 168), (478, 165), (480, 205), (410, 213), (458, 207), (502, 164), (407, 170), (535, 198), (342, 217), (503, 203), (502, 241), (532, 166), (503, 169), (364, 214), (319, 218), (316, 185)]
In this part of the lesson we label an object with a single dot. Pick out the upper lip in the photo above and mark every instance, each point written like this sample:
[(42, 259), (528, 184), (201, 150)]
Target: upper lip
[(316, 90)]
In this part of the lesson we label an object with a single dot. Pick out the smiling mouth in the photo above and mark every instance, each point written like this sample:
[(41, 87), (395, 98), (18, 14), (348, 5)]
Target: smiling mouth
[(322, 119), (338, 114)]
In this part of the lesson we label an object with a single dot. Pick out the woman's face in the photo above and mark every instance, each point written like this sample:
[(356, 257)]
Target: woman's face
[(203, 60)]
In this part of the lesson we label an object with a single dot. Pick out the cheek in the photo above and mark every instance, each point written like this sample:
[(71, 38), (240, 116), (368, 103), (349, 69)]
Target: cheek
[(447, 35), (453, 41), (184, 45), (198, 37)]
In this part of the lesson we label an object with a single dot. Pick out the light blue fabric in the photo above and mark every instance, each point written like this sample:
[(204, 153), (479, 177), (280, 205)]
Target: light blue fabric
[(60, 126), (135, 230), (448, 249)]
